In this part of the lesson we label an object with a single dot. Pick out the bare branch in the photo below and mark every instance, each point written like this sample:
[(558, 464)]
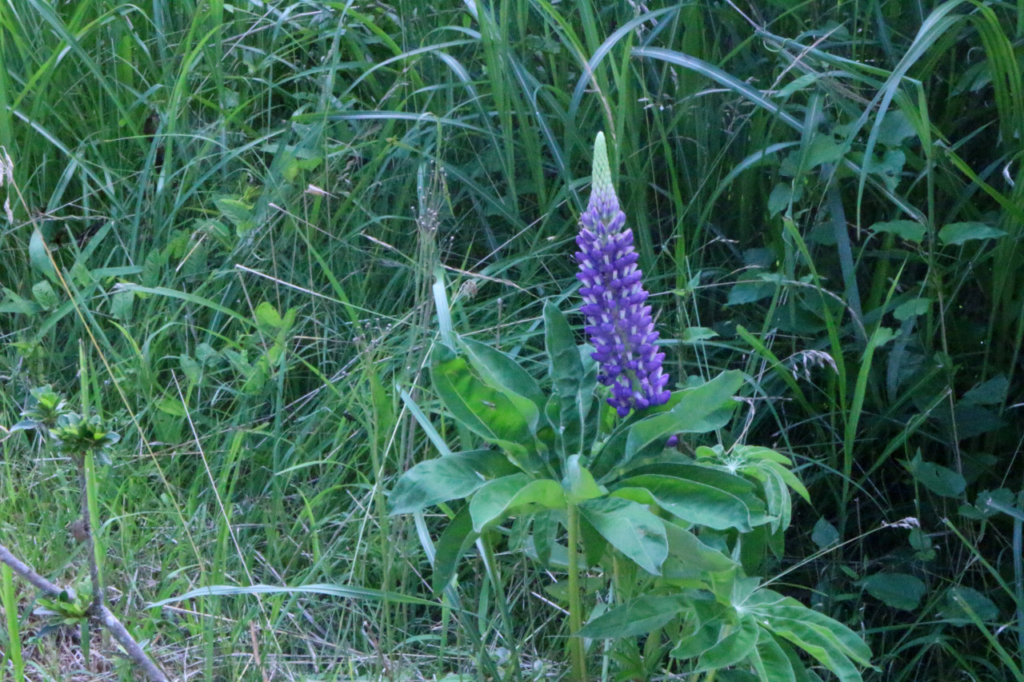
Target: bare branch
[(105, 616)]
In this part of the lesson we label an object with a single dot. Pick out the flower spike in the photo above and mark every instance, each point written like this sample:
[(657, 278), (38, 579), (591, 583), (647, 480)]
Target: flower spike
[(619, 324)]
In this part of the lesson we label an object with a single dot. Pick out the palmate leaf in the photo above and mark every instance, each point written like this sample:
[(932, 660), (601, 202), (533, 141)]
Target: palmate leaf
[(579, 483), (701, 409), (636, 617), (700, 473), (732, 648), (769, 660), (495, 500), (698, 641), (833, 644), (630, 528), (498, 369), (447, 478), (690, 554), (497, 415), (574, 375), (694, 501)]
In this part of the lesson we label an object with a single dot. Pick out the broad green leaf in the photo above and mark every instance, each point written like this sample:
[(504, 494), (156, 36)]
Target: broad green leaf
[(267, 317), (44, 294), (897, 590), (237, 212), (955, 234), (13, 304), (824, 149), (780, 611), (190, 367), (699, 410), (770, 661), (958, 600), (906, 229), (824, 534), (565, 367), (732, 648), (545, 530), (750, 292), (588, 585), (636, 617), (701, 473), (447, 478), (498, 369), (819, 643), (691, 553), (938, 479), (989, 503), (696, 502), (696, 643), (495, 500), (594, 544), (171, 406), (890, 167), (454, 542), (912, 308), (630, 528), (789, 477), (498, 416), (895, 128), (778, 200), (748, 452), (121, 305), (776, 495), (574, 383), (692, 335), (992, 392), (38, 256), (830, 642), (579, 484)]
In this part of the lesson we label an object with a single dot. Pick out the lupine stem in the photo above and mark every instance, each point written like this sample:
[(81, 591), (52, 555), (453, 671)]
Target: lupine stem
[(577, 653)]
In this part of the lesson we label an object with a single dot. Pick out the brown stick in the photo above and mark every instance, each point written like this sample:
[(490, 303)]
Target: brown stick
[(105, 616)]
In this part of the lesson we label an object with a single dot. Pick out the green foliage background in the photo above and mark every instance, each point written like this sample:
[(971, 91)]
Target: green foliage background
[(240, 209)]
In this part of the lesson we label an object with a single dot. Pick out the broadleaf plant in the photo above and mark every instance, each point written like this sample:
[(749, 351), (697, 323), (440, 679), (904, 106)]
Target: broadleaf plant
[(667, 534)]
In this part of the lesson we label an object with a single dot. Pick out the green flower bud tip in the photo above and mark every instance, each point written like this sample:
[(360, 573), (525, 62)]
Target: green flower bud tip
[(601, 176)]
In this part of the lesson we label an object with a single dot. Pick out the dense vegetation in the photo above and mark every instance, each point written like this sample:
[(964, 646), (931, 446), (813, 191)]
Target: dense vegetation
[(225, 223)]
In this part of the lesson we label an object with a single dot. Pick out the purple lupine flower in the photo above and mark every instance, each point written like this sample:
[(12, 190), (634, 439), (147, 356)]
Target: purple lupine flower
[(619, 323)]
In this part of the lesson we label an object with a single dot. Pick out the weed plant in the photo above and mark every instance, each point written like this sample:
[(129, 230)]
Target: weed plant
[(244, 212)]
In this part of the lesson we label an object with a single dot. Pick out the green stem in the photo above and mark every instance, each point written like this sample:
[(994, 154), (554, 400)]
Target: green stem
[(577, 654), (10, 604), (92, 507)]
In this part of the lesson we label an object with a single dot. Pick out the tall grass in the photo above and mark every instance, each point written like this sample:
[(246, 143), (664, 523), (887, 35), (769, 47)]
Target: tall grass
[(247, 204)]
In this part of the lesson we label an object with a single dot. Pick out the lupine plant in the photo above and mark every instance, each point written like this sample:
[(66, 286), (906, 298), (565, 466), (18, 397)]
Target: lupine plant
[(594, 480)]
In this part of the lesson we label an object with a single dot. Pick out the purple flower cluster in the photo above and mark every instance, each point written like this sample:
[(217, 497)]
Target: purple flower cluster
[(619, 323)]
